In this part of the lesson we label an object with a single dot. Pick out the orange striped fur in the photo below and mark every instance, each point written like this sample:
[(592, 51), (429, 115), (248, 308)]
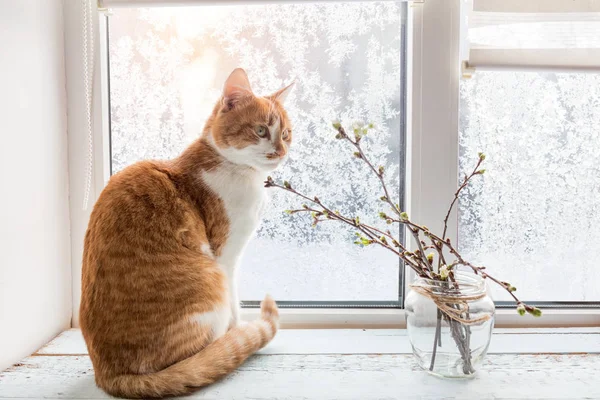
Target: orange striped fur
[(160, 309)]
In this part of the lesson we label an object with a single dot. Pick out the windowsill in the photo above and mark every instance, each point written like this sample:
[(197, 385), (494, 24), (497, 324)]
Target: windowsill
[(392, 318), (349, 364)]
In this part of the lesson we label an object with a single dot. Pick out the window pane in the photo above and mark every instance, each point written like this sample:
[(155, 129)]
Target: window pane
[(167, 66), (534, 217)]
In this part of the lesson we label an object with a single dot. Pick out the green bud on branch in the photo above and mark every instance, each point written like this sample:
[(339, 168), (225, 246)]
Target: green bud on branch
[(536, 312), (444, 272), (362, 240)]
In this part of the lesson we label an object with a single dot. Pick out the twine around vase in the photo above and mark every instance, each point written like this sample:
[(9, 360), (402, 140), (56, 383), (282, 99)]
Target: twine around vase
[(447, 303)]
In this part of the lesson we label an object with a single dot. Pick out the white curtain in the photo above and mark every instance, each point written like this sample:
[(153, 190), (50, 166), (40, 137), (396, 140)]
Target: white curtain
[(533, 34)]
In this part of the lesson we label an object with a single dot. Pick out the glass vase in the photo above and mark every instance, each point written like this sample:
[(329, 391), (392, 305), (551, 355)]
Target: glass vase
[(450, 324)]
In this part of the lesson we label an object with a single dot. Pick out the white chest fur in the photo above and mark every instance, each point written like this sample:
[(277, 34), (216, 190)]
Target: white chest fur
[(244, 196)]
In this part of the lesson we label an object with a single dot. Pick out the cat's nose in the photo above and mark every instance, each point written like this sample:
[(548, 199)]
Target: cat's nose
[(279, 152)]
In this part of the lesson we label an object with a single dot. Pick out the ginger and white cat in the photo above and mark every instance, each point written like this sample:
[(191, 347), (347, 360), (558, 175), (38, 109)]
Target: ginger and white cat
[(160, 308)]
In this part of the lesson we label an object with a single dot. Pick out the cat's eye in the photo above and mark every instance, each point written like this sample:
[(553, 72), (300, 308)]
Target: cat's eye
[(285, 135), (261, 131)]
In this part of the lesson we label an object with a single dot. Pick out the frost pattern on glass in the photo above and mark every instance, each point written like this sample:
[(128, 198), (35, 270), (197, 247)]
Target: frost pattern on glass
[(534, 217), (167, 66)]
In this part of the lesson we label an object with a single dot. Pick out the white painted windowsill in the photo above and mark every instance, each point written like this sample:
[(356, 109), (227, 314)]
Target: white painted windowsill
[(350, 364)]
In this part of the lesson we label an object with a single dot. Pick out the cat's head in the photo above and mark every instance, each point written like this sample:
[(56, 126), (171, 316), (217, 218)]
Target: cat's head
[(250, 130)]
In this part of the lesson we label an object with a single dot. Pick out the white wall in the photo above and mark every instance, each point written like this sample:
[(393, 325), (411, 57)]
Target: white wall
[(35, 260)]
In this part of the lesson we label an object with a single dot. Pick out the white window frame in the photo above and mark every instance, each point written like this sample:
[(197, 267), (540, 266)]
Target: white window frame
[(431, 155)]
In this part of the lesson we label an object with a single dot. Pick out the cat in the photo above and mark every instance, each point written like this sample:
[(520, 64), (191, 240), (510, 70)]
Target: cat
[(160, 308)]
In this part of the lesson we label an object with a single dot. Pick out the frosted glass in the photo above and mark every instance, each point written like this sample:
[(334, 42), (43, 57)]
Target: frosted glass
[(534, 218), (167, 66)]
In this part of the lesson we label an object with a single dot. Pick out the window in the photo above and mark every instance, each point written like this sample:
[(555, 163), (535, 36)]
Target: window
[(397, 65), (167, 66), (534, 216)]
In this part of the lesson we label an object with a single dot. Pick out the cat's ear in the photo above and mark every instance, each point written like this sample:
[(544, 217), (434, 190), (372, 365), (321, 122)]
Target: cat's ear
[(236, 88), (282, 93)]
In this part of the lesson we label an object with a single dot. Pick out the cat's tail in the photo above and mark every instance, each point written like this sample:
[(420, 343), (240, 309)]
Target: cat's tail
[(215, 361)]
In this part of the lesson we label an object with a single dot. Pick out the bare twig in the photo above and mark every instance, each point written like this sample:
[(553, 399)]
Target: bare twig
[(379, 173), (476, 171), (371, 232)]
